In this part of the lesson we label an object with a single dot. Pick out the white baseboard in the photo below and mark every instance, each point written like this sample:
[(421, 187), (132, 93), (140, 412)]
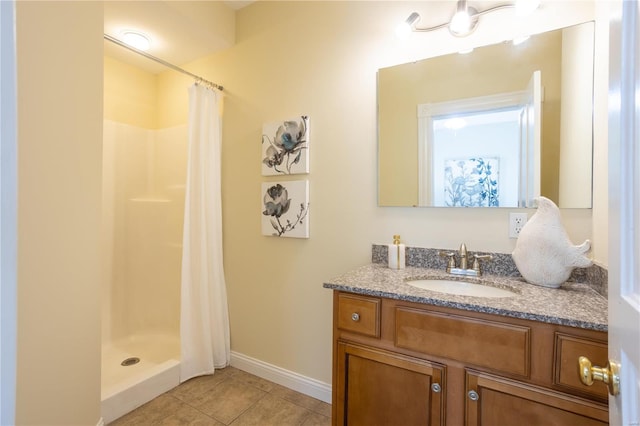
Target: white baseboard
[(289, 379)]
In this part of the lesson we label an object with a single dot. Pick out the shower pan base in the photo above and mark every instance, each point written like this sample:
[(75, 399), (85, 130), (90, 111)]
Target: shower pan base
[(126, 387)]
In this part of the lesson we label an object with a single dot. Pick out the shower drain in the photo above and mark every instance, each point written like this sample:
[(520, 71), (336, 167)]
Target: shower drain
[(130, 361)]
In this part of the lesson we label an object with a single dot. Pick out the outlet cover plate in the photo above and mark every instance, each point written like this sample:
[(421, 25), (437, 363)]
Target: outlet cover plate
[(516, 222)]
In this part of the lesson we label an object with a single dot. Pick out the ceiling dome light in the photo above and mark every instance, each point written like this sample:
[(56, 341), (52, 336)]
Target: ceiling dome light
[(137, 40)]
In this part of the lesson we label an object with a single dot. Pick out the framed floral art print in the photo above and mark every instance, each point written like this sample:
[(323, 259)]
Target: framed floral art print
[(472, 182), (285, 209), (285, 147)]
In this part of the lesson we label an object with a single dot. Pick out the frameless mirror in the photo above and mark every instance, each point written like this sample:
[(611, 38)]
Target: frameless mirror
[(491, 128)]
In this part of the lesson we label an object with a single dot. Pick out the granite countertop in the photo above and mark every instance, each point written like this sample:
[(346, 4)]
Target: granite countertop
[(573, 304)]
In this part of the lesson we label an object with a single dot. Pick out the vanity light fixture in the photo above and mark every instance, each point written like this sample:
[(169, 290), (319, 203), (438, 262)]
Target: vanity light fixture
[(136, 39), (465, 19)]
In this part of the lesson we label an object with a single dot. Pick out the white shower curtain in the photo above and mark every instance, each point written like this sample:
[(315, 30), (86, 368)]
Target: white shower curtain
[(204, 320)]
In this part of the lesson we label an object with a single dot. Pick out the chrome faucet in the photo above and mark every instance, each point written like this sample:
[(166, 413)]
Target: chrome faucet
[(474, 271)]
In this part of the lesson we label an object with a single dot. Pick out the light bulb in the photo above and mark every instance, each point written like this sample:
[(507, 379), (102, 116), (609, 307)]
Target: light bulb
[(460, 23), (405, 28)]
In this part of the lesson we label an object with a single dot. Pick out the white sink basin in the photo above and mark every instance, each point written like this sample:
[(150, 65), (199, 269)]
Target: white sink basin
[(460, 288)]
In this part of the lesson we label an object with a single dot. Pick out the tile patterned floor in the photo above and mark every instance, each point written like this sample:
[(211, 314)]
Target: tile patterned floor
[(230, 397)]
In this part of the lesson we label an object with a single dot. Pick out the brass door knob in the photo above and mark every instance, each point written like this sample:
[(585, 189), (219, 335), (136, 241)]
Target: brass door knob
[(609, 374)]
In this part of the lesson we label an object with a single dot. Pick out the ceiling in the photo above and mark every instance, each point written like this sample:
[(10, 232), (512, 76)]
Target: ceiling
[(180, 31), (184, 30)]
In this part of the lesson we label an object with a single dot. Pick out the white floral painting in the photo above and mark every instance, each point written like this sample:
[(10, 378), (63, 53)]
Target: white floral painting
[(471, 182), (285, 209), (285, 147)]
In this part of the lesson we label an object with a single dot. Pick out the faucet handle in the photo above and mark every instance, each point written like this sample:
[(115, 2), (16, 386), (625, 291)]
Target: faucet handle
[(451, 262), (476, 261)]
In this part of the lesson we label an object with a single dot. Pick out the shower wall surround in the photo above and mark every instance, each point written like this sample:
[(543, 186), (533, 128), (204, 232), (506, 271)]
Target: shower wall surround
[(501, 265), (142, 211)]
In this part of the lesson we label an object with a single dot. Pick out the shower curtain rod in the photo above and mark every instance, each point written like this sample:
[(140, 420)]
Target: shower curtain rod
[(163, 62)]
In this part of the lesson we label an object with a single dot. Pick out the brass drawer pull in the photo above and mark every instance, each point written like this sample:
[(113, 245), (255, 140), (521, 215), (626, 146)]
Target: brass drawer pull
[(355, 316)]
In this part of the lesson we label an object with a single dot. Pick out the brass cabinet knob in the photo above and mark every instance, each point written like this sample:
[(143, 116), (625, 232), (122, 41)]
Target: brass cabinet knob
[(609, 374), (355, 317)]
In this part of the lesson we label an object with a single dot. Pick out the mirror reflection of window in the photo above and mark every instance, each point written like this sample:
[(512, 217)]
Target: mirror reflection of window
[(481, 152), (486, 174)]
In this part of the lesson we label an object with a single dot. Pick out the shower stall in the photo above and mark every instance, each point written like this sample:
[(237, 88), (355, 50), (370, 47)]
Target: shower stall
[(143, 203), (164, 310)]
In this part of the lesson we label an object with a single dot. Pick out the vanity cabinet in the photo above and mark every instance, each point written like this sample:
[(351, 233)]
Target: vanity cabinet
[(403, 363)]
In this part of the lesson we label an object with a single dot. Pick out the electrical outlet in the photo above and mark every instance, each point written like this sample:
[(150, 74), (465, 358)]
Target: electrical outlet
[(516, 222)]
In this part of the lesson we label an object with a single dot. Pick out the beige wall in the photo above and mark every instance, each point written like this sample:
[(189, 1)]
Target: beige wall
[(130, 94), (59, 53), (577, 113), (326, 67)]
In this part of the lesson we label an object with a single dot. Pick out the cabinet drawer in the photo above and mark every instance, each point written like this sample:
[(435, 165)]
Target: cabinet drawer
[(359, 314), (568, 349), (500, 347)]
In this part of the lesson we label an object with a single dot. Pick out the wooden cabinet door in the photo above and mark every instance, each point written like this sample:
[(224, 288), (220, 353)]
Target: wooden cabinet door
[(492, 400), (376, 387)]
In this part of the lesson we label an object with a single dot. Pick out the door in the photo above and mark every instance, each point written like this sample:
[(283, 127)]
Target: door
[(530, 134), (492, 400), (381, 388), (8, 214), (624, 209)]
